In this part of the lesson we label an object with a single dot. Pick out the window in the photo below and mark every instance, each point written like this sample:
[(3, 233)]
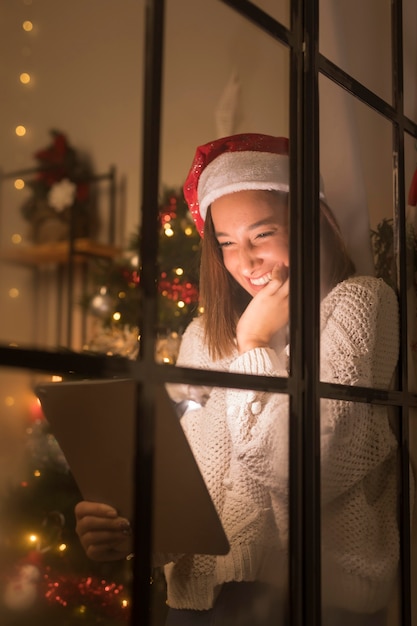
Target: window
[(343, 91)]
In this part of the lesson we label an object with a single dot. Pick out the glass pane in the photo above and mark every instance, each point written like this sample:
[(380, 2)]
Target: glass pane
[(243, 457), (46, 577), (356, 166), (360, 535), (413, 478), (236, 89), (278, 10), (71, 111), (356, 36), (410, 59), (239, 85), (411, 215)]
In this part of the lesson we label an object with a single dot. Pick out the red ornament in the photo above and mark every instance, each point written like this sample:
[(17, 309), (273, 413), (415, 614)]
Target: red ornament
[(35, 412), (412, 194)]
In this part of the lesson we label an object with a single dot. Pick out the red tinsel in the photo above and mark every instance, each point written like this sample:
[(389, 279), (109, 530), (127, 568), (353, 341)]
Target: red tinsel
[(101, 596), (175, 290)]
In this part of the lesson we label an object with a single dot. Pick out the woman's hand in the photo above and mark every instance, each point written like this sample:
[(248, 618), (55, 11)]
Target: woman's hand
[(104, 535), (266, 314)]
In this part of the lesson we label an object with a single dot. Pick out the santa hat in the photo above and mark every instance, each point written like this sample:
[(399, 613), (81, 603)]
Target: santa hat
[(235, 163)]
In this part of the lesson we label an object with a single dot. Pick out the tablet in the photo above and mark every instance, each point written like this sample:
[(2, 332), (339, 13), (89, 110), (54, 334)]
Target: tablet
[(93, 422)]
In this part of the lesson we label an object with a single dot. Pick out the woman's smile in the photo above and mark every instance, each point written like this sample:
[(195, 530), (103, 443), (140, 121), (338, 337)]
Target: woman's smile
[(262, 280)]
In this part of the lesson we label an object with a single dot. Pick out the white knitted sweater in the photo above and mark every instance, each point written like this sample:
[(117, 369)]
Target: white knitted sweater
[(240, 440)]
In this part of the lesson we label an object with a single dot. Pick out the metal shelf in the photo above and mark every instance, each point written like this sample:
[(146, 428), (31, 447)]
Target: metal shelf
[(61, 252)]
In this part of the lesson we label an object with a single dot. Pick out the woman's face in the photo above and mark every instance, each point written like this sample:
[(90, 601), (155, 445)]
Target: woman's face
[(252, 230)]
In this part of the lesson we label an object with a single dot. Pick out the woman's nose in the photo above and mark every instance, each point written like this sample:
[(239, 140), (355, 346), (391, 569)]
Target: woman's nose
[(248, 259)]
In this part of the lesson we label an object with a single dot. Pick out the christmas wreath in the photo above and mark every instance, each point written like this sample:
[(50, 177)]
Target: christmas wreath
[(62, 202)]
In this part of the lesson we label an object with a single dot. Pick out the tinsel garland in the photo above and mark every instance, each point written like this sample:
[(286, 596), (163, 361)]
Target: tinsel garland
[(102, 597)]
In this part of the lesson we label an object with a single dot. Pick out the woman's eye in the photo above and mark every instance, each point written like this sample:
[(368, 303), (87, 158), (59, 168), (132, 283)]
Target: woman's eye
[(265, 234), (224, 244)]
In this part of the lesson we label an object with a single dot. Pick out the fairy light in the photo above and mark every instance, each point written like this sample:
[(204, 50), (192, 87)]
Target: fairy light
[(117, 316), (16, 238), (168, 229), (20, 130), (14, 292), (33, 538), (56, 379), (19, 184), (24, 78), (62, 547), (180, 304), (36, 473), (179, 271), (27, 26), (188, 231)]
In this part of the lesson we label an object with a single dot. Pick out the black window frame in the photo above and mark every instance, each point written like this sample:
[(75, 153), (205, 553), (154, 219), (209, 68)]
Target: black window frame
[(303, 386)]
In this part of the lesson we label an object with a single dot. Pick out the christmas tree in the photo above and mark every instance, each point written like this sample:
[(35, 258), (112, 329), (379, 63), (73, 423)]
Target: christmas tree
[(115, 300), (45, 576)]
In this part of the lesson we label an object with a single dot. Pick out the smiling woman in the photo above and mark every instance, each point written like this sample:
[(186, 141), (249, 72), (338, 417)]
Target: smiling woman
[(246, 180), (240, 437)]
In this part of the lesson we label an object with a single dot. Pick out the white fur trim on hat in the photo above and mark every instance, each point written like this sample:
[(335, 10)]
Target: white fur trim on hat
[(238, 171)]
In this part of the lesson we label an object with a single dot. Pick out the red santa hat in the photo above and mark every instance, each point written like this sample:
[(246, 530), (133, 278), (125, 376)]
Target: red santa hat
[(235, 163)]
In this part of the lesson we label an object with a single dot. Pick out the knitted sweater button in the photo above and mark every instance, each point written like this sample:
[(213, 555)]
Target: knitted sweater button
[(256, 408), (228, 483), (251, 396)]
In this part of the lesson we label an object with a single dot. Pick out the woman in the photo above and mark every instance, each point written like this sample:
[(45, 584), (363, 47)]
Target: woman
[(237, 191)]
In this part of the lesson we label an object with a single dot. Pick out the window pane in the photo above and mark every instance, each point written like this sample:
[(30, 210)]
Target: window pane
[(216, 91), (356, 165), (356, 36), (240, 441), (226, 89), (46, 577), (411, 243), (413, 477), (278, 10), (360, 536), (91, 94), (410, 59)]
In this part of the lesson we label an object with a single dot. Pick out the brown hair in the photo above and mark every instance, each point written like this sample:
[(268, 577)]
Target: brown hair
[(224, 300)]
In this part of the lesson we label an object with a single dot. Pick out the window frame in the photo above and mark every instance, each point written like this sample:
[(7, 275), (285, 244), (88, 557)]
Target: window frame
[(303, 385)]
